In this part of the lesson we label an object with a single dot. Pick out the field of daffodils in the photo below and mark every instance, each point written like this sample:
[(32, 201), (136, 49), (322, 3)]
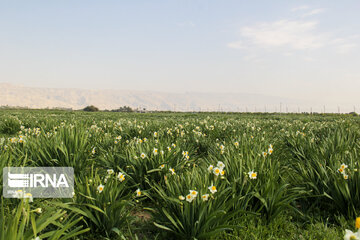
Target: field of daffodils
[(186, 175)]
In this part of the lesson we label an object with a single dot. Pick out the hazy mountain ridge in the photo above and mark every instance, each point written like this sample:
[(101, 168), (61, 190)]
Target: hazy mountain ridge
[(16, 95)]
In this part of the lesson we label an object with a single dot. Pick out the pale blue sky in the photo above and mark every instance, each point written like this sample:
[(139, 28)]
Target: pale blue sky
[(299, 49)]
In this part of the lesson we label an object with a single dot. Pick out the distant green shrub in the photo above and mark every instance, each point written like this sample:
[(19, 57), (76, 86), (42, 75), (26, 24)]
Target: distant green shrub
[(353, 114), (91, 108), (123, 109)]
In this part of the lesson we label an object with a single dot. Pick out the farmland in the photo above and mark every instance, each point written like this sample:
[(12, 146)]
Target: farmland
[(185, 175)]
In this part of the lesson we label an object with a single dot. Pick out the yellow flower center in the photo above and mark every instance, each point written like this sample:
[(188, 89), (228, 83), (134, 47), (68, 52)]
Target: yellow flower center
[(213, 188), (253, 175)]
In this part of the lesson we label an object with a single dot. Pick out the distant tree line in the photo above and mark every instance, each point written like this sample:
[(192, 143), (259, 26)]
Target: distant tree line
[(123, 109), (92, 108)]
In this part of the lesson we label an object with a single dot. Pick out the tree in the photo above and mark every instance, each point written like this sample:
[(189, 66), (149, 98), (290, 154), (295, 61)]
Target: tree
[(91, 108), (123, 109)]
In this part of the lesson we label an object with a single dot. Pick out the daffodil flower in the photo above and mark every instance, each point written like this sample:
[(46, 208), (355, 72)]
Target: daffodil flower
[(349, 235), (193, 193), (205, 197), (38, 210), (221, 165), (357, 223), (252, 175), (212, 189), (343, 166), (100, 188), (270, 150), (121, 176), (189, 198), (216, 171)]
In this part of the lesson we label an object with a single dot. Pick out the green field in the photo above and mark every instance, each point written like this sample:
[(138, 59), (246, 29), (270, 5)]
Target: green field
[(186, 175)]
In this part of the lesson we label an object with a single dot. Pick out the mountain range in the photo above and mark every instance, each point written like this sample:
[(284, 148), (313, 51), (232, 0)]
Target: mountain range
[(35, 97)]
